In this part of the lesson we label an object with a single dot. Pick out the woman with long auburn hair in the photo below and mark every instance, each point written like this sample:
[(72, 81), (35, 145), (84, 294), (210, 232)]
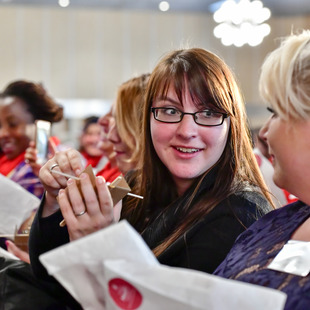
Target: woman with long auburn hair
[(197, 172), (209, 85)]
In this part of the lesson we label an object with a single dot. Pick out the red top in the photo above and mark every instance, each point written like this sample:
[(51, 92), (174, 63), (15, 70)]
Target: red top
[(109, 173), (7, 165)]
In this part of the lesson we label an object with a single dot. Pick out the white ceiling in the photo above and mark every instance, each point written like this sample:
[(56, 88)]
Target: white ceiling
[(277, 7)]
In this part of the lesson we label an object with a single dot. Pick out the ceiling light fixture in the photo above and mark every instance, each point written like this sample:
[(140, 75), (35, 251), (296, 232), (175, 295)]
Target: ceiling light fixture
[(164, 6), (241, 22), (63, 3)]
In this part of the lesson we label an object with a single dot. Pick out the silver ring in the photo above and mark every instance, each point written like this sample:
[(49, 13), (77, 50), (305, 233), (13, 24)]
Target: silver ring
[(81, 213), (53, 166)]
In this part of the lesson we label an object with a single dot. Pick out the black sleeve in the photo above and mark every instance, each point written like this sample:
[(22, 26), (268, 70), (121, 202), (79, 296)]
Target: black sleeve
[(45, 235)]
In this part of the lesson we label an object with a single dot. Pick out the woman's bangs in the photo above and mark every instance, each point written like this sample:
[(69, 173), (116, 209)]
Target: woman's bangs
[(199, 89), (161, 85)]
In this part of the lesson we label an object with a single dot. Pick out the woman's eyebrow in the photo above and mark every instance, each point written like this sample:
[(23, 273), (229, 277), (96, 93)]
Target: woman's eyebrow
[(166, 99)]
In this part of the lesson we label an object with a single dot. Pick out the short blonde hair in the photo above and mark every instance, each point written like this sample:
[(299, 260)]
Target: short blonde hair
[(285, 77)]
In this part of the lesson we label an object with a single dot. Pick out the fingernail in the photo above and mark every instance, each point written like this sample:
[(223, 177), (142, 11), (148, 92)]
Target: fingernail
[(100, 180), (83, 176), (70, 181)]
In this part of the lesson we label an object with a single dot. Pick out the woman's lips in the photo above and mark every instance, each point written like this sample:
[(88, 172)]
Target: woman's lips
[(186, 152), (119, 153), (7, 147), (187, 149)]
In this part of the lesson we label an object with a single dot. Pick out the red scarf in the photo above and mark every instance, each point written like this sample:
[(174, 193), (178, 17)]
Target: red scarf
[(91, 160), (7, 165)]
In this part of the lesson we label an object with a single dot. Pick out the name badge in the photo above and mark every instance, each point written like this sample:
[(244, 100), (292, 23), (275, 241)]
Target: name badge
[(294, 258)]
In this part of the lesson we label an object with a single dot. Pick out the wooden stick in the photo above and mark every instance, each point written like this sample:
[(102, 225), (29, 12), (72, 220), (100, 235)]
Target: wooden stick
[(64, 174)]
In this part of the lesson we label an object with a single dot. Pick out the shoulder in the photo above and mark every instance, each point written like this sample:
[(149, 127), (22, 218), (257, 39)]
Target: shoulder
[(247, 205), (238, 211), (22, 172), (295, 208)]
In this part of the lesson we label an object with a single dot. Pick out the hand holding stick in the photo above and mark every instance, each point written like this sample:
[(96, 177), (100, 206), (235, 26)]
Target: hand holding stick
[(118, 188)]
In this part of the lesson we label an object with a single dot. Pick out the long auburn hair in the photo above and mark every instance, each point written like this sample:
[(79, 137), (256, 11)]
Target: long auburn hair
[(209, 81)]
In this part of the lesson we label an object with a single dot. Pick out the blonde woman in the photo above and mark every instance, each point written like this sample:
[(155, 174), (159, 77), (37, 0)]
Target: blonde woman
[(284, 85)]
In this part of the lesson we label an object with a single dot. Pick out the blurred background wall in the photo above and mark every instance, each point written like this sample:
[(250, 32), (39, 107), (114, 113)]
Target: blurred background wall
[(81, 56)]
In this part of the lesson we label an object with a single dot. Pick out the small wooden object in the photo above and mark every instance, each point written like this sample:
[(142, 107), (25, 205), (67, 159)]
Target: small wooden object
[(118, 188)]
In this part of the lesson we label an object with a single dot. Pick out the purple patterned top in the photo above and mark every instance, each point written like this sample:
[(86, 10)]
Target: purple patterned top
[(24, 176), (256, 248)]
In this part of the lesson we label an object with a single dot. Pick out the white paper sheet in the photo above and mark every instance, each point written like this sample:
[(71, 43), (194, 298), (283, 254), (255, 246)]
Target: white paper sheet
[(15, 206), (114, 269)]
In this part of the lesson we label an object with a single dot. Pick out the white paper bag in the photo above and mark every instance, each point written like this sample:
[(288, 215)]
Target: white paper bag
[(132, 286), (114, 269), (16, 205), (78, 265)]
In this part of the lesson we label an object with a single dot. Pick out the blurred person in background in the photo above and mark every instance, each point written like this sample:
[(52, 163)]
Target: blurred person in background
[(110, 171), (21, 104), (89, 144)]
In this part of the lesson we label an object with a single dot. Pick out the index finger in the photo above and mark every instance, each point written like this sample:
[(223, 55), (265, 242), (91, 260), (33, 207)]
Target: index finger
[(69, 161), (105, 199)]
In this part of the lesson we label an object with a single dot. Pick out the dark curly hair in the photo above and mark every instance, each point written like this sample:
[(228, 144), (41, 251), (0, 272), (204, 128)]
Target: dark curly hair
[(38, 102)]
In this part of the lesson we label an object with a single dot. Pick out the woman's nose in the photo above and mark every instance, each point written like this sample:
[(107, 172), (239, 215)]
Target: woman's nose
[(263, 131), (113, 135), (104, 123), (3, 131), (187, 128)]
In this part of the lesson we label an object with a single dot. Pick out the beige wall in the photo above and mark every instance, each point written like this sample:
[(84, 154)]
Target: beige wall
[(87, 53)]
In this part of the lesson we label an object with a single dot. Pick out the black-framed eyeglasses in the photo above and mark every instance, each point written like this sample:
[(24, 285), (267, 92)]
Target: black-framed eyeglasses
[(203, 118)]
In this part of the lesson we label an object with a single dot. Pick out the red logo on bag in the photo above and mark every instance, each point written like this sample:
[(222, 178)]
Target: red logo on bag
[(125, 295)]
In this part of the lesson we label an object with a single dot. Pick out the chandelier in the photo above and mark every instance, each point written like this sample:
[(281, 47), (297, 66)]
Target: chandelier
[(241, 23)]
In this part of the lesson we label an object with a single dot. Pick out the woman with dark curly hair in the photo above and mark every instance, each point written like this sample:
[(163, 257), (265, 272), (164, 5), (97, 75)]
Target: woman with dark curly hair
[(21, 104)]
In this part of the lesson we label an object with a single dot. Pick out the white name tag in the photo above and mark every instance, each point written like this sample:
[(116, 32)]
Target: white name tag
[(294, 258)]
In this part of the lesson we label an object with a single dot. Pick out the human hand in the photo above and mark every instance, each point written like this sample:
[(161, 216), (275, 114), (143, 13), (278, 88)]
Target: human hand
[(69, 162), (87, 209), (31, 158), (15, 250)]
